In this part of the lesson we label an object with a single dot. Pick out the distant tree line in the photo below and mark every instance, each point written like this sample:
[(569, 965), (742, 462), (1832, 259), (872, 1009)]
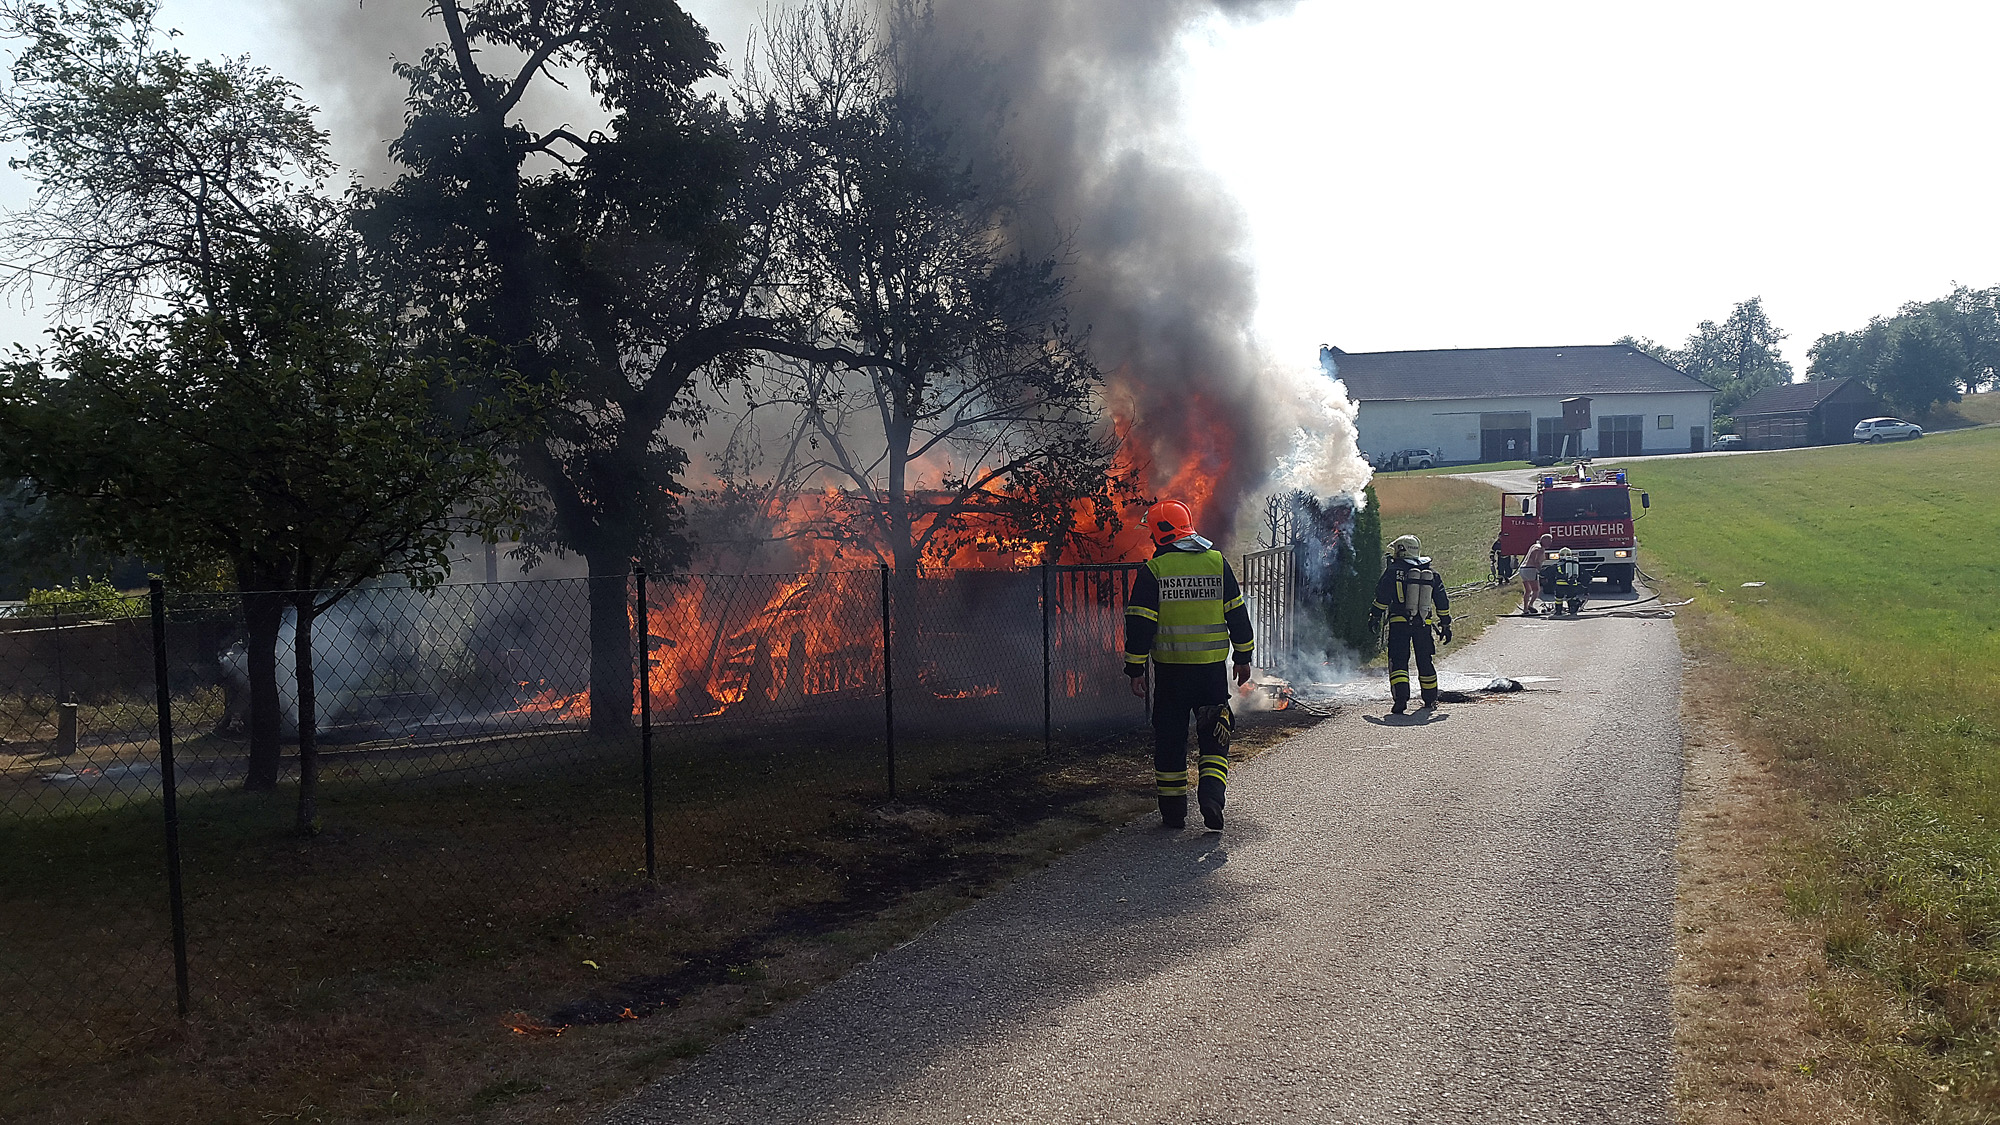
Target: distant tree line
[(306, 392), (1927, 354)]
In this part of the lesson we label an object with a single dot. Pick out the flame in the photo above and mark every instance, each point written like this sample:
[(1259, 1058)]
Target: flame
[(719, 645), (520, 1023), (549, 701)]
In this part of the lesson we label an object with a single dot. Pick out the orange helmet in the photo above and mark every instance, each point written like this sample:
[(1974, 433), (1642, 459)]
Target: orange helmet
[(1169, 521)]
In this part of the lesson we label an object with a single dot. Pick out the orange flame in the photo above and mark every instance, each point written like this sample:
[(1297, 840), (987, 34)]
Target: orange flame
[(520, 1023)]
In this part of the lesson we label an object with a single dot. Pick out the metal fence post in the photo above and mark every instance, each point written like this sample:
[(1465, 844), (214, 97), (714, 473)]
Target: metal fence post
[(888, 687), (646, 710), (164, 700), (1048, 687)]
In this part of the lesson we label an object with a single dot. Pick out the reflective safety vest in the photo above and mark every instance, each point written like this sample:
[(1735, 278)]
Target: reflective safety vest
[(1192, 629)]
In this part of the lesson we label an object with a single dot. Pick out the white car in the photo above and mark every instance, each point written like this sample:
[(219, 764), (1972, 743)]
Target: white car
[(1885, 429)]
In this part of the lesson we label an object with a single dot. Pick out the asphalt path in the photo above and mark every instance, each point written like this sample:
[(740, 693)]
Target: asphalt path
[(1466, 919)]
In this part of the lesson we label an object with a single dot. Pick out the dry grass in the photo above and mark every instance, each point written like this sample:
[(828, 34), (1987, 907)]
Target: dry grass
[(1457, 521), (1750, 1042), (489, 951)]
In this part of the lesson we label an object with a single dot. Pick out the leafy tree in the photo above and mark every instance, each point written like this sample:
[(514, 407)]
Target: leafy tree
[(1929, 352), (153, 172), (150, 168), (958, 387), (1922, 365), (1353, 587), (281, 432), (1738, 357), (623, 262)]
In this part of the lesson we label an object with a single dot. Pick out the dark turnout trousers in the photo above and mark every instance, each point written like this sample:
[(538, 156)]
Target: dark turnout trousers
[(1403, 637), (1181, 694)]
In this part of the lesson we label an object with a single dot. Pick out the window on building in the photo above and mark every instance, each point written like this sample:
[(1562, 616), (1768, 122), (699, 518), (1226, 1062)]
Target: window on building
[(1666, 421)]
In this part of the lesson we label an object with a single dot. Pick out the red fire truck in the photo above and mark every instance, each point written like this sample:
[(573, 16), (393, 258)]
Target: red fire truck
[(1589, 512)]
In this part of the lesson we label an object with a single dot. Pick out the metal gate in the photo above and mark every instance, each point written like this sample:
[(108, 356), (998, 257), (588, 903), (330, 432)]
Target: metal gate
[(1270, 582)]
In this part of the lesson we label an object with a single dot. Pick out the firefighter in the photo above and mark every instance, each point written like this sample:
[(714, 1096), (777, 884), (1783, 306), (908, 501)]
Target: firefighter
[(1412, 594), (1186, 613)]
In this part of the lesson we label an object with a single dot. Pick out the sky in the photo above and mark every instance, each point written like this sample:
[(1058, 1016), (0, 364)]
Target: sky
[(1457, 174)]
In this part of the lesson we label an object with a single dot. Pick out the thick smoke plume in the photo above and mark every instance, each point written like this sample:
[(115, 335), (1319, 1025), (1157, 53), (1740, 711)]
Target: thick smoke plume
[(1083, 105), (1078, 103)]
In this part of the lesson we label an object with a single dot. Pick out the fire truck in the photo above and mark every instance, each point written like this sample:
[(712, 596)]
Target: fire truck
[(1587, 511)]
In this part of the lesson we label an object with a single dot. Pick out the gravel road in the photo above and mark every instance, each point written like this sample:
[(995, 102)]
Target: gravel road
[(1464, 920)]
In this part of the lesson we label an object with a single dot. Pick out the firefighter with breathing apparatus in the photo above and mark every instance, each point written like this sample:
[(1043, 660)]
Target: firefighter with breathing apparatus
[(1186, 613), (1412, 594)]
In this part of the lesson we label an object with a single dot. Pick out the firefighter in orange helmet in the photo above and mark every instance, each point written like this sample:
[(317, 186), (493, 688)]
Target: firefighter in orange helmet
[(1186, 614)]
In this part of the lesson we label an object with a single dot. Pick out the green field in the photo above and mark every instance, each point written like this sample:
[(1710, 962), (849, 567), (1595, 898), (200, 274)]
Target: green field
[(1869, 661), (1457, 521)]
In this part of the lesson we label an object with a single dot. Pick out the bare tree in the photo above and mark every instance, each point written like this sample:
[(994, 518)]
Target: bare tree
[(150, 168), (958, 385)]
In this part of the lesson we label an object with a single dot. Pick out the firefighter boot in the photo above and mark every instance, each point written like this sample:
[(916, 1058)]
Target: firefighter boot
[(1214, 727), (1430, 692), (1399, 691), (1173, 812)]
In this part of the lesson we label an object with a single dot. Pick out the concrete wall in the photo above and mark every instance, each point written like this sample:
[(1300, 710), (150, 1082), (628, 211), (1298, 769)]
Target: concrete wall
[(1451, 426)]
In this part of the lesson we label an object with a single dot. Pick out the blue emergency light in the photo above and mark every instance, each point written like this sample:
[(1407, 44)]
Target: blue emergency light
[(1548, 482)]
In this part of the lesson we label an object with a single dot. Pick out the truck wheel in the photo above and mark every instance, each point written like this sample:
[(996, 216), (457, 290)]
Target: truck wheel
[(1621, 577)]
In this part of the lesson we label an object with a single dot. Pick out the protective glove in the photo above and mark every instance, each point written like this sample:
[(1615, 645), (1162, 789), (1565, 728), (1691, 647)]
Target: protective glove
[(1374, 622), (1444, 629)]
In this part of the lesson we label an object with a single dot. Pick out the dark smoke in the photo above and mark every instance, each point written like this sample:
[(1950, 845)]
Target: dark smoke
[(350, 46), (1082, 100)]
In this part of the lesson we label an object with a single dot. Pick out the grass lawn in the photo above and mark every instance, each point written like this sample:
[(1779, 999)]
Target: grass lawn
[(1449, 470), (1867, 665)]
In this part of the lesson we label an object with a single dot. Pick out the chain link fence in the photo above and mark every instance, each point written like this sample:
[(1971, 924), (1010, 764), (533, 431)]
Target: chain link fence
[(493, 762)]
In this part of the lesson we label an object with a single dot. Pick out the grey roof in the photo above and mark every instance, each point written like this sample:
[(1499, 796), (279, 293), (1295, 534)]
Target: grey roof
[(1589, 369), (1791, 398)]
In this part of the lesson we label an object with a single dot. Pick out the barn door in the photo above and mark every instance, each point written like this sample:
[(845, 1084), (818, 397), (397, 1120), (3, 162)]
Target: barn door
[(1505, 436)]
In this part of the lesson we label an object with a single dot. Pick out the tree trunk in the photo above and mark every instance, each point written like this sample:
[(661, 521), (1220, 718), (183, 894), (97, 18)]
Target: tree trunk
[(302, 646), (263, 612), (610, 646)]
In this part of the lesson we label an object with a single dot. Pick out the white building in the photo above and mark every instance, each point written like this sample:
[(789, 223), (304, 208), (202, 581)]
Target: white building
[(1470, 405)]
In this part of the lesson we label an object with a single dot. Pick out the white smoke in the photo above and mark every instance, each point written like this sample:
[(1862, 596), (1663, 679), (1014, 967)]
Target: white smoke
[(1324, 459)]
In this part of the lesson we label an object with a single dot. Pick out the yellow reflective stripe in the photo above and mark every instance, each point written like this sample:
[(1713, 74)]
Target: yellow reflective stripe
[(1193, 646), (1135, 658), (1141, 611), (1399, 677), (1428, 681), (1218, 775), (1170, 775), (1187, 630), (1180, 790), (1233, 603), (1246, 646)]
